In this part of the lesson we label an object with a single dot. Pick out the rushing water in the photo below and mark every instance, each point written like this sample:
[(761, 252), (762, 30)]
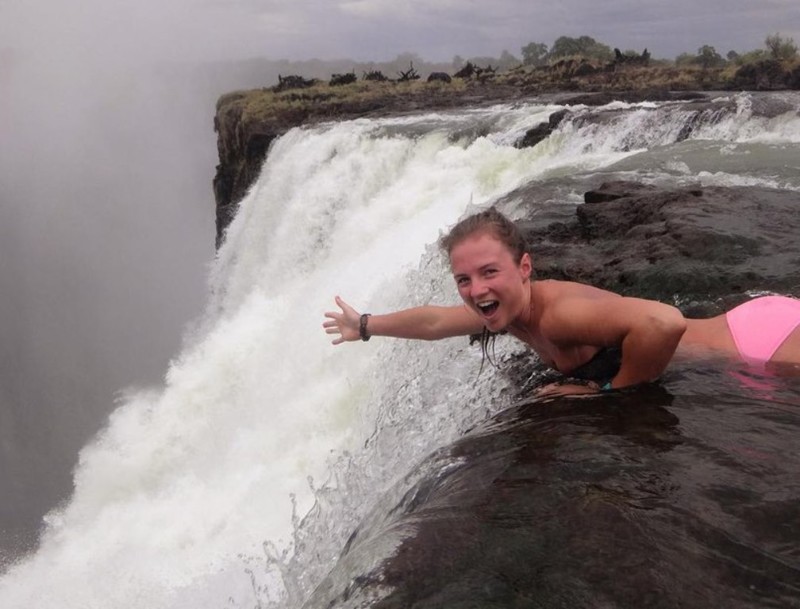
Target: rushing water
[(240, 482)]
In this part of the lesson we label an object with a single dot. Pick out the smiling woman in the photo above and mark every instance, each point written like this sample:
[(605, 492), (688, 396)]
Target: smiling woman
[(568, 324)]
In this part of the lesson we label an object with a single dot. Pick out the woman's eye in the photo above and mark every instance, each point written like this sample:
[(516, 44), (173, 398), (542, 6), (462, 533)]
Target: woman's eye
[(489, 272), (462, 281)]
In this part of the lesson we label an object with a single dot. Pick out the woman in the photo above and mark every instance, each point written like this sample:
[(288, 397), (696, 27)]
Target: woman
[(575, 328)]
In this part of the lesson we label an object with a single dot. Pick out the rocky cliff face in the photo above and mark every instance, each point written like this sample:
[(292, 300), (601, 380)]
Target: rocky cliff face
[(242, 146), (247, 122)]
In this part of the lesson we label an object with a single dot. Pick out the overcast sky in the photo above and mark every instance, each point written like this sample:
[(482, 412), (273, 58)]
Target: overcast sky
[(381, 29)]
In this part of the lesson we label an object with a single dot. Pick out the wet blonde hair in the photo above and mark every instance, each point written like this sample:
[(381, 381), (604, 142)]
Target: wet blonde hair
[(489, 221), (504, 230)]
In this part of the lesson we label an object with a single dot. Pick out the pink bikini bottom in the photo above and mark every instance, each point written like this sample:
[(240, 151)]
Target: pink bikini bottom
[(760, 326)]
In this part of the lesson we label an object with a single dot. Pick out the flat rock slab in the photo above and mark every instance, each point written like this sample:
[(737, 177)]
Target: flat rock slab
[(691, 242)]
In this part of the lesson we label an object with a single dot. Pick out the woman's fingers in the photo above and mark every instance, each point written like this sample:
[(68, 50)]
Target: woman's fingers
[(557, 389), (346, 308), (344, 323)]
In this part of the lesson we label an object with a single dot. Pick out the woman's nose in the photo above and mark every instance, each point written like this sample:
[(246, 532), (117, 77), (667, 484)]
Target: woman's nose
[(478, 288)]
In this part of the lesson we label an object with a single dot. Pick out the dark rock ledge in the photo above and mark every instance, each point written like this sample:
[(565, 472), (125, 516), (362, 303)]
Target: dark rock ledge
[(708, 244)]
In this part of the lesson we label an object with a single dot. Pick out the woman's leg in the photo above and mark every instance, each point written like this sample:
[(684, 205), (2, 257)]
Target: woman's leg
[(789, 351)]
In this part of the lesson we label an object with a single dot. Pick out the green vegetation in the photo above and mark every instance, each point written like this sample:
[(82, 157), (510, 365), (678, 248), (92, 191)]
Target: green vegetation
[(782, 49), (534, 54), (776, 46), (322, 101), (571, 64), (585, 46)]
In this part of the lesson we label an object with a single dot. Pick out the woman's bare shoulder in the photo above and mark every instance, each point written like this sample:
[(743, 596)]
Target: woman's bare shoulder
[(552, 291)]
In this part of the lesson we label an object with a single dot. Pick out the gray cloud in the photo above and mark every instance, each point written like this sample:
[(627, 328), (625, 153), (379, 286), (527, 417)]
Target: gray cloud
[(122, 30), (438, 30)]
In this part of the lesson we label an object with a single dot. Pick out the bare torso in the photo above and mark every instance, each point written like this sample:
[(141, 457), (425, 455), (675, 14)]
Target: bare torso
[(544, 295), (703, 337)]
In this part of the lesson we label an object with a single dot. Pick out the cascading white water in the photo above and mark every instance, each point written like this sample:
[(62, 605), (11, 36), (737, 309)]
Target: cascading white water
[(174, 499)]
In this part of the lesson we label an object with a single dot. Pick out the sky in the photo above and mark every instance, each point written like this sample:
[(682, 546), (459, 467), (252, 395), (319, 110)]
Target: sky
[(437, 30)]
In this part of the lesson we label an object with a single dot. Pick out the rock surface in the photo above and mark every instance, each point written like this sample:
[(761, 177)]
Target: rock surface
[(703, 244), (626, 500)]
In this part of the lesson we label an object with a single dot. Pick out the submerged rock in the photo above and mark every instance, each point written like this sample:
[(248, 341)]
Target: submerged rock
[(625, 500)]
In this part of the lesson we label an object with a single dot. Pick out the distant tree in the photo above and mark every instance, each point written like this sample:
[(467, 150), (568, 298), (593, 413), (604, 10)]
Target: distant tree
[(458, 62), (403, 60), (630, 57), (439, 77), (565, 46), (534, 53), (732, 56), (585, 46), (780, 48), (338, 80), (752, 56), (507, 61), (708, 57), (685, 59), (468, 71), (374, 76), (483, 60), (408, 75)]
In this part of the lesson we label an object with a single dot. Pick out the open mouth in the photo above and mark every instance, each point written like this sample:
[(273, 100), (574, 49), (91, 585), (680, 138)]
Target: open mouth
[(488, 307)]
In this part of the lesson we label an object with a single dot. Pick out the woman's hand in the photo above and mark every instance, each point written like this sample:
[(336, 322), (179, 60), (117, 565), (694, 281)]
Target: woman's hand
[(556, 389), (345, 324)]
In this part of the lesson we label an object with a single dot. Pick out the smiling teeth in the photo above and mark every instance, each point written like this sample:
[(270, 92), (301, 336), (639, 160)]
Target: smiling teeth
[(487, 304)]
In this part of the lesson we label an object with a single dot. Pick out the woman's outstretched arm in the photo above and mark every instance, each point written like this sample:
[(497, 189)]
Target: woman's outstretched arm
[(424, 323)]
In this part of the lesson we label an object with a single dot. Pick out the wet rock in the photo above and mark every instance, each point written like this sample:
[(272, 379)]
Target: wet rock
[(536, 134), (582, 504), (630, 97), (439, 77), (632, 238)]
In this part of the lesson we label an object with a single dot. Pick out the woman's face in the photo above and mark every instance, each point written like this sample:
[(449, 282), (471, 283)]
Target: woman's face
[(489, 281)]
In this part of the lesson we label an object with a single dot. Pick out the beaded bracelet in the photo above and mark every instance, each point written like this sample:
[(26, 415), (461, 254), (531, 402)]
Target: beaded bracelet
[(362, 327)]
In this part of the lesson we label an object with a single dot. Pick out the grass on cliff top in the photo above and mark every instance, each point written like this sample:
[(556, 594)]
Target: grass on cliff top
[(323, 100)]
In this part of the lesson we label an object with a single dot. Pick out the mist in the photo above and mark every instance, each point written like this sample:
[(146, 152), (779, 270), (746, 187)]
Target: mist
[(106, 230), (106, 217)]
